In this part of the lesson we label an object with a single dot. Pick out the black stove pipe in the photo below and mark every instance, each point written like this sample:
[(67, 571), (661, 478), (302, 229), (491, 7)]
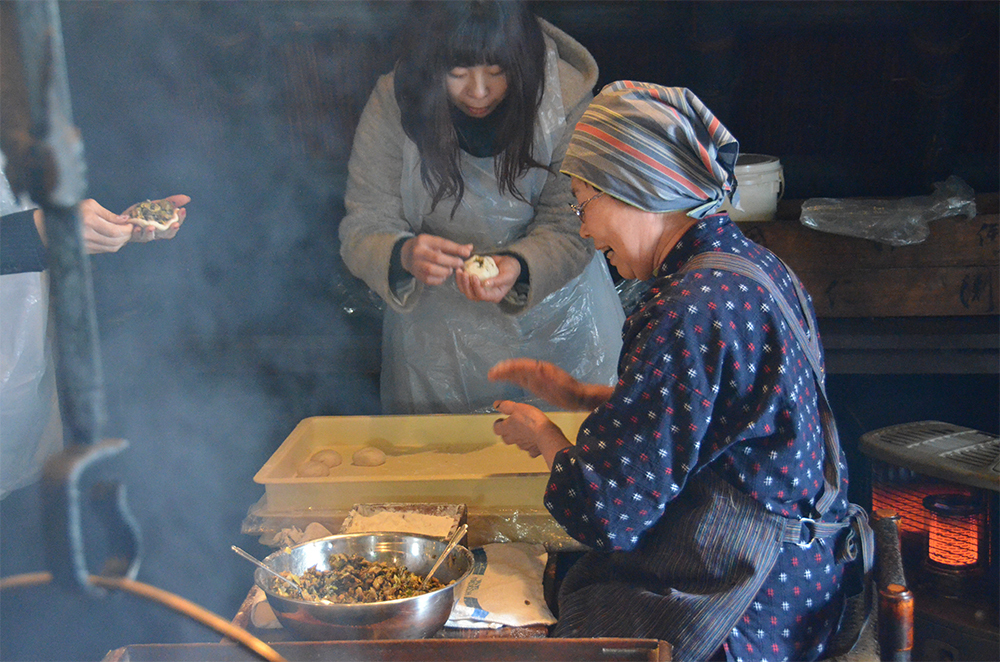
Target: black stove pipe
[(47, 162)]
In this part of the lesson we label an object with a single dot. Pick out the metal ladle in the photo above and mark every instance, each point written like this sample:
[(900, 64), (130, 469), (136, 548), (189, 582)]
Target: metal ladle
[(451, 544)]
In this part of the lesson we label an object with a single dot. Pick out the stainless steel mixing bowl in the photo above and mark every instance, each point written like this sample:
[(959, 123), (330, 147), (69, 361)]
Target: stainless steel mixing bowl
[(407, 618)]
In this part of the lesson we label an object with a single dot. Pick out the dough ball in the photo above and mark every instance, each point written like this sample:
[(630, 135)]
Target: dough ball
[(369, 456), (313, 469), (482, 267), (327, 456)]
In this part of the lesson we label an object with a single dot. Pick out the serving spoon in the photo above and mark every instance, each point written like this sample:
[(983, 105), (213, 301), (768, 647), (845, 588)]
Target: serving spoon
[(250, 557), (298, 587), (451, 543)]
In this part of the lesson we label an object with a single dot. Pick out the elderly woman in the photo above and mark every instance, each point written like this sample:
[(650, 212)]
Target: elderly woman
[(708, 482)]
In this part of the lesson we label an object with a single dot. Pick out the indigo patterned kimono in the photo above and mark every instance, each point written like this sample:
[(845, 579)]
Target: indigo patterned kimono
[(708, 485)]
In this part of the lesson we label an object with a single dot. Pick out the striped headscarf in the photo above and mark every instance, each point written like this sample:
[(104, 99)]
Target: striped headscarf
[(656, 148)]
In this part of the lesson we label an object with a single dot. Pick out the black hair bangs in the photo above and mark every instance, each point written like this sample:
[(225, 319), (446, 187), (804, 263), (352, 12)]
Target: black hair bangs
[(479, 40)]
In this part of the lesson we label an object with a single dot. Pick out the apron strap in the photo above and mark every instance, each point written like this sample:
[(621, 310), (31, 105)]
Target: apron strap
[(803, 530)]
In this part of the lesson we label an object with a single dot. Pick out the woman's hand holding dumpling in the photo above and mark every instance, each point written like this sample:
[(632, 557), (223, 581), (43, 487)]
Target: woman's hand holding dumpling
[(493, 289)]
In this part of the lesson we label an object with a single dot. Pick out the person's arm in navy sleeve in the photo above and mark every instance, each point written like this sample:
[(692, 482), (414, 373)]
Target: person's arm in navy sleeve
[(21, 246)]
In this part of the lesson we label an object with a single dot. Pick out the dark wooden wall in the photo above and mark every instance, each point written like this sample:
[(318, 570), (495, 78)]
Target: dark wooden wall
[(856, 98)]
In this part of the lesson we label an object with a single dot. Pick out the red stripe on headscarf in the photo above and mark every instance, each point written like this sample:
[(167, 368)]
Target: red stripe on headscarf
[(705, 158)]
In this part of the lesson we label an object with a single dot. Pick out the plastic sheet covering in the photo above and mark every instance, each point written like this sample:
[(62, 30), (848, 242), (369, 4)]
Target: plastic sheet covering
[(29, 424), (896, 222), (631, 292), (30, 429), (435, 359), (486, 525)]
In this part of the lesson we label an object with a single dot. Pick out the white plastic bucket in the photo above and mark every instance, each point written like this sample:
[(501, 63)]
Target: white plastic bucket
[(761, 183)]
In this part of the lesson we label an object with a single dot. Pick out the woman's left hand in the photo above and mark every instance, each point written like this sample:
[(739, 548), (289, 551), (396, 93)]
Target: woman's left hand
[(494, 289), (529, 429)]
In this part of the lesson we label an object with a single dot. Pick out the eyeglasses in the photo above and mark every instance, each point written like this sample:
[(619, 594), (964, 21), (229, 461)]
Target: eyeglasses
[(580, 207)]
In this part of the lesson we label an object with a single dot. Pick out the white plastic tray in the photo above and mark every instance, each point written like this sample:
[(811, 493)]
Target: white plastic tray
[(440, 458)]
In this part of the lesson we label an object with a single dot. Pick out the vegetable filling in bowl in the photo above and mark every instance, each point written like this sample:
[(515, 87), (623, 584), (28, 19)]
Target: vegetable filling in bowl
[(353, 579)]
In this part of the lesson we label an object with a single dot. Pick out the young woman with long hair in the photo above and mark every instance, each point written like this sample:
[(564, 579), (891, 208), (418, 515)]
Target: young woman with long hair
[(457, 153)]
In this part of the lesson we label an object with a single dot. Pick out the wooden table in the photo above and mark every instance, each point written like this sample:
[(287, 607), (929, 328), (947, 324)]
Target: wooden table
[(459, 644), (514, 644), (418, 650), (506, 643)]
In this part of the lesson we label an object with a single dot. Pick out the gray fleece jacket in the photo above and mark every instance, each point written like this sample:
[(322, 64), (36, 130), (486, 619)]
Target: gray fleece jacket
[(552, 248)]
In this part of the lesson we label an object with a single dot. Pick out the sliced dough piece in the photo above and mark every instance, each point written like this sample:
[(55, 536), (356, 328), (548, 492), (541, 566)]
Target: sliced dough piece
[(313, 469), (327, 456)]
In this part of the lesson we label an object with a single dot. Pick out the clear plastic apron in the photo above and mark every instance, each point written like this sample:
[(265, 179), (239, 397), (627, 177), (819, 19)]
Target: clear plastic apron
[(30, 428), (435, 357)]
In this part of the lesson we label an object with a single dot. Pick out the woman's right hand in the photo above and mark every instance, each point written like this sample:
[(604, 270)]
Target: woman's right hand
[(551, 383), (433, 259), (529, 429), (103, 231)]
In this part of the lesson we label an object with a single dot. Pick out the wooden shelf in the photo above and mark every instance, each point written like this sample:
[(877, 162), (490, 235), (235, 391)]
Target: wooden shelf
[(911, 345), (954, 272)]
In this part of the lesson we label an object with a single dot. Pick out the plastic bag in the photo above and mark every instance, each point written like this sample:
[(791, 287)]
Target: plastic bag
[(30, 429), (631, 292), (897, 222), (506, 588)]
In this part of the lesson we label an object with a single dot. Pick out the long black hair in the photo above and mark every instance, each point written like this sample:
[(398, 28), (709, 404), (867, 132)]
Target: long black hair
[(446, 35)]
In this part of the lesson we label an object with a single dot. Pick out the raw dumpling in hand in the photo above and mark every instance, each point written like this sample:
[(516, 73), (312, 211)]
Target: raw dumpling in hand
[(482, 267)]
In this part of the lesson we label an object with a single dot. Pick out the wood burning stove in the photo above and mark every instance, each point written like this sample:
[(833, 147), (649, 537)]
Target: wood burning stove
[(944, 482)]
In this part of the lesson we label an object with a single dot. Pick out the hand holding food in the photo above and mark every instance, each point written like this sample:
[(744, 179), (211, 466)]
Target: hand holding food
[(103, 230), (530, 430), (157, 219), (432, 259), (482, 267), (478, 282)]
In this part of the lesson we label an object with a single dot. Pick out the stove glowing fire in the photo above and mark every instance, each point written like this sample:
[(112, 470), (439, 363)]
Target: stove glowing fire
[(956, 530), (942, 480)]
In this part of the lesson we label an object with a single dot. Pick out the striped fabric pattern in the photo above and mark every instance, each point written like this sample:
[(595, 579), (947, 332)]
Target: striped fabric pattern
[(722, 547), (657, 148)]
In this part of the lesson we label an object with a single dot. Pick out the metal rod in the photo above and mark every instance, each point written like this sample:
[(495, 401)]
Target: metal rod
[(170, 600), (48, 164)]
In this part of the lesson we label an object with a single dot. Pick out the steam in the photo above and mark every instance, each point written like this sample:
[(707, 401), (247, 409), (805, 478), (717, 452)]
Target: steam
[(214, 344)]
